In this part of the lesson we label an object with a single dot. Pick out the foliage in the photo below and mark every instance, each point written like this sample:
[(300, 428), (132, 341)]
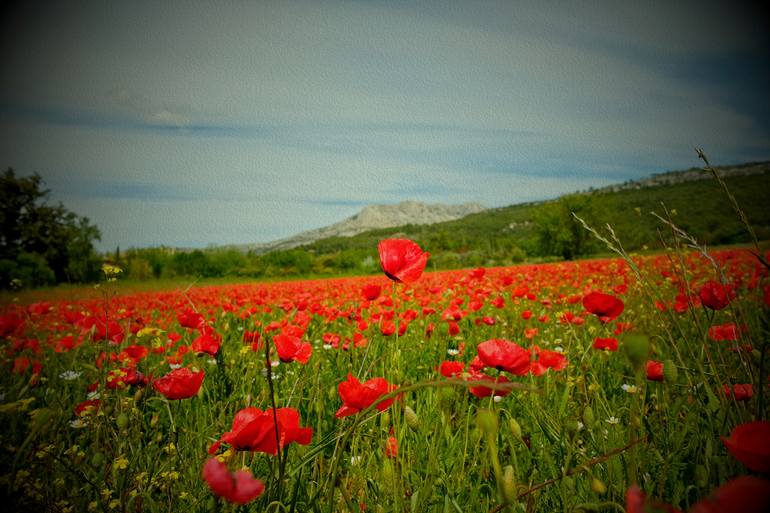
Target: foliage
[(42, 244), (496, 237), (89, 424)]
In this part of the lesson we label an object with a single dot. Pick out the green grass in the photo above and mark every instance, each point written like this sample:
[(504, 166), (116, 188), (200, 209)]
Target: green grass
[(569, 431)]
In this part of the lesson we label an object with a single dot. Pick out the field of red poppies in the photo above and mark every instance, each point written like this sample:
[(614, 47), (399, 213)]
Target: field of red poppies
[(598, 385)]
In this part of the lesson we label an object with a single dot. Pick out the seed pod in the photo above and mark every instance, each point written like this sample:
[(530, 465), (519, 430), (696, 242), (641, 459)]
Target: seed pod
[(385, 420), (670, 371), (122, 421), (637, 349), (515, 428), (598, 486), (387, 474), (97, 460), (509, 484), (411, 418), (571, 426), (487, 421)]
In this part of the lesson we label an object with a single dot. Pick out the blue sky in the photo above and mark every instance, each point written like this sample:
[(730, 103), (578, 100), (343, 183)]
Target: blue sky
[(198, 123)]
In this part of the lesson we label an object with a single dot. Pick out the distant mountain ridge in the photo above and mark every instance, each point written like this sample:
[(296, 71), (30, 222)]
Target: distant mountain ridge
[(374, 217), (689, 175)]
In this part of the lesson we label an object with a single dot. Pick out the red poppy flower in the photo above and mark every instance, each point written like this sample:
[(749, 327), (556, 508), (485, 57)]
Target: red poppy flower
[(609, 344), (637, 502), (451, 369), (654, 370), (239, 487), (207, 342), (391, 447), (604, 306), (357, 396), (11, 323), (179, 383), (547, 360), (123, 377), (190, 319), (714, 295), (371, 291), (722, 332), (134, 352), (747, 494), (87, 407), (254, 430), (387, 328), (504, 355), (741, 392), (402, 260), (291, 348), (748, 443), (482, 391)]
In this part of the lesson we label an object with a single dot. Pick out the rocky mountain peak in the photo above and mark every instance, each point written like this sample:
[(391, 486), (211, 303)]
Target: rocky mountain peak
[(375, 217)]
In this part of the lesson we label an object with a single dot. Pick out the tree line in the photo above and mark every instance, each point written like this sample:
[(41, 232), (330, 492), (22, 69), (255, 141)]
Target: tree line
[(44, 244), (41, 243)]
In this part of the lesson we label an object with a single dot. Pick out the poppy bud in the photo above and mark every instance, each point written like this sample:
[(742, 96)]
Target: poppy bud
[(509, 484), (569, 483), (122, 421), (154, 420), (571, 427), (515, 428), (598, 486), (138, 395), (701, 476), (637, 347), (387, 473), (588, 417), (97, 460), (487, 422), (385, 420), (411, 418), (669, 372)]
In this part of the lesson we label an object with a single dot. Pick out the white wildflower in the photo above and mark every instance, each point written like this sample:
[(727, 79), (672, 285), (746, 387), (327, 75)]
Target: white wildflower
[(69, 375), (631, 389), (78, 423)]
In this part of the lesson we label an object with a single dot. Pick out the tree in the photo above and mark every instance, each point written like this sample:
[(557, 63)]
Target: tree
[(41, 244), (558, 232)]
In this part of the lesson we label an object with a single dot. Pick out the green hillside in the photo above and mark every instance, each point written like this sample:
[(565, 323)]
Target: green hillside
[(501, 236), (547, 229)]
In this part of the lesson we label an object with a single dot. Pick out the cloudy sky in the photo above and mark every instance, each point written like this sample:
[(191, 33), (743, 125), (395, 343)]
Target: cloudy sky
[(189, 124)]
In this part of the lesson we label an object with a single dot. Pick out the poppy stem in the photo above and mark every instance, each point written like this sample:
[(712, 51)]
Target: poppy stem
[(761, 399), (278, 452), (394, 349), (170, 416)]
